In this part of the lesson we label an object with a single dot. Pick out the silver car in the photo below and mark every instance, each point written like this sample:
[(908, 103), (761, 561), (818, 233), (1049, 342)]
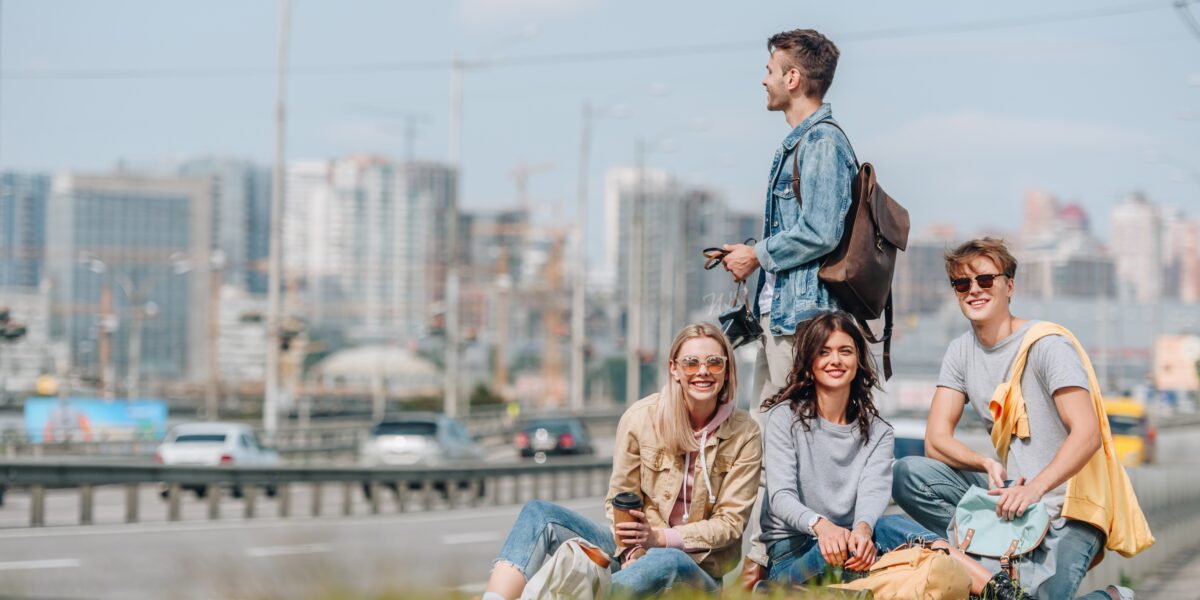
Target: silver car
[(420, 439), (426, 439)]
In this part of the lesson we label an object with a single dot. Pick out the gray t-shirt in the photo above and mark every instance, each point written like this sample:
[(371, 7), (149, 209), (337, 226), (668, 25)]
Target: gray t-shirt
[(826, 471), (976, 370)]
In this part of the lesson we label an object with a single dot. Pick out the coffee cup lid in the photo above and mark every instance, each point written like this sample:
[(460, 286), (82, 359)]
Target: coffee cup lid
[(627, 501)]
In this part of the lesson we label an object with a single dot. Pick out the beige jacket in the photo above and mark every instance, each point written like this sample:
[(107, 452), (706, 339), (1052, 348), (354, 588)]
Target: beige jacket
[(713, 534)]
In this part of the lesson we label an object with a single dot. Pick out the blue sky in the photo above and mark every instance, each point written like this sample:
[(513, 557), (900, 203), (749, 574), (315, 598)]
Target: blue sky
[(958, 124)]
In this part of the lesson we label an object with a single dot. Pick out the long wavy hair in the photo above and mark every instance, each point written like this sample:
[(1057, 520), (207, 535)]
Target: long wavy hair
[(672, 422), (801, 387)]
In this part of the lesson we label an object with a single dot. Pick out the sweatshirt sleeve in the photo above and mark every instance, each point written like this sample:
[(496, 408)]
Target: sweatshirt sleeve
[(782, 467), (875, 482)]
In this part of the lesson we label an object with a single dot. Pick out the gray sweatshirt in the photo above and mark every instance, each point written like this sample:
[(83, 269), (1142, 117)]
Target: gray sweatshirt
[(826, 471)]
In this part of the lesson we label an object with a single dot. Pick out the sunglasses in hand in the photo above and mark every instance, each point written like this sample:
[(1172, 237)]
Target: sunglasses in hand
[(713, 256)]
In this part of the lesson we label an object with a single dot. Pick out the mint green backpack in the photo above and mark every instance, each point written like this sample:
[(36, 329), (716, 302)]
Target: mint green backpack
[(977, 529)]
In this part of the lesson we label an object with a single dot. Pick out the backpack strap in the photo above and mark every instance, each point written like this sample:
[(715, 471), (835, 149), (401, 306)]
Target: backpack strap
[(886, 339), (796, 160)]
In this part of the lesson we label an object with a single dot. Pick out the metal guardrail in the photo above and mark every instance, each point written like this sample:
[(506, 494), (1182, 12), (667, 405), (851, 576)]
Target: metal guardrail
[(416, 487), (341, 438)]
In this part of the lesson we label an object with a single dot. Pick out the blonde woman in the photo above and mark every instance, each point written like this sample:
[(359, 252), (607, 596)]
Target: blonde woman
[(692, 458)]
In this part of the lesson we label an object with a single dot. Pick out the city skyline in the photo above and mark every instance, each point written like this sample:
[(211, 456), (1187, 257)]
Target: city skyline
[(1027, 99)]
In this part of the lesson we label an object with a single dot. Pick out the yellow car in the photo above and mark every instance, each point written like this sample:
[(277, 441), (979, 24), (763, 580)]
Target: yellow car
[(1132, 434)]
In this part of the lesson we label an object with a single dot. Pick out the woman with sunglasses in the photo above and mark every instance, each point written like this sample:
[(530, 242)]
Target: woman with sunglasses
[(829, 464), (691, 457)]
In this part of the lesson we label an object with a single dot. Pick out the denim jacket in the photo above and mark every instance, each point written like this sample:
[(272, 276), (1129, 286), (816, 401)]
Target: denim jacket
[(797, 235)]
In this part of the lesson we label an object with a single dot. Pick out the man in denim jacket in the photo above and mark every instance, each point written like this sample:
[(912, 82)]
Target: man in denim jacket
[(797, 232)]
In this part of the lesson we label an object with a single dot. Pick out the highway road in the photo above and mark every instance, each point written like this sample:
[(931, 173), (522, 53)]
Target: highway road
[(268, 557), (264, 558)]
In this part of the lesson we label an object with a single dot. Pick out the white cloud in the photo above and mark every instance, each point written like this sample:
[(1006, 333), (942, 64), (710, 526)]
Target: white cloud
[(477, 13), (972, 168), (971, 133)]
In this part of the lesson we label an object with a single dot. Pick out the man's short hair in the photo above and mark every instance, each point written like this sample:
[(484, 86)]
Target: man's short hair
[(992, 248), (810, 53)]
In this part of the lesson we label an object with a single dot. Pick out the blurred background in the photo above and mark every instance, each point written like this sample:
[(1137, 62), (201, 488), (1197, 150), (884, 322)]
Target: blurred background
[(368, 238)]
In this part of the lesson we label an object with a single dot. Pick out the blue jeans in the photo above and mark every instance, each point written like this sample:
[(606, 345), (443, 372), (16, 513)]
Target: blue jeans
[(929, 491), (542, 527), (798, 559)]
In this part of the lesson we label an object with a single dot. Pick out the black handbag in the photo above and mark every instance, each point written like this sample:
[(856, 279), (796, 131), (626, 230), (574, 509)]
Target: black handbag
[(738, 320)]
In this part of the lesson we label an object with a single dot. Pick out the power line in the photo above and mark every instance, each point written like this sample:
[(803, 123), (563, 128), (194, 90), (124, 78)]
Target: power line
[(662, 52), (1185, 15)]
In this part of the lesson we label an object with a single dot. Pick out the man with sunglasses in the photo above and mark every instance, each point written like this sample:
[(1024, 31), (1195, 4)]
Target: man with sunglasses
[(1064, 431), (797, 231)]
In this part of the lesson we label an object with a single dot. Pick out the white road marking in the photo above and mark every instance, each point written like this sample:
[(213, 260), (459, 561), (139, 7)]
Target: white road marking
[(269, 551), (474, 537), (54, 563)]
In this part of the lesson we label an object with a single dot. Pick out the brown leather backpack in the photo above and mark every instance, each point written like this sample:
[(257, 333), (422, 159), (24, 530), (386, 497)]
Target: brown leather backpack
[(858, 273)]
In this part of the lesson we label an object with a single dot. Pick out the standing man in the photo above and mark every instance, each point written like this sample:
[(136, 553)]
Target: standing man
[(797, 232), (1059, 445)]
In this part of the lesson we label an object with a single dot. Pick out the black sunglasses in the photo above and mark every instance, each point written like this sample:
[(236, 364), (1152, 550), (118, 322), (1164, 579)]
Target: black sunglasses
[(962, 285), (714, 256)]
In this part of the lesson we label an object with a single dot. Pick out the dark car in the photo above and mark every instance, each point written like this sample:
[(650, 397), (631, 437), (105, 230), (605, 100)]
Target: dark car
[(549, 436)]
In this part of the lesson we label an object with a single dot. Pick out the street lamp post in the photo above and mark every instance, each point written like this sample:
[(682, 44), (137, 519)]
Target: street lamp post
[(579, 287), (633, 335), (140, 308), (458, 67), (271, 388)]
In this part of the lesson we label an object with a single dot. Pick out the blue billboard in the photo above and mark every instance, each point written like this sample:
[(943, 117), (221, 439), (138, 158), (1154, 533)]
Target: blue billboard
[(94, 420)]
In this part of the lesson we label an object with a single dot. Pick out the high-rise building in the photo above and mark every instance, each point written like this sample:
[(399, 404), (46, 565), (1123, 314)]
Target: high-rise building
[(1040, 216), (1074, 267), (647, 207), (23, 201), (240, 355), (1182, 257), (706, 222), (241, 218), (1137, 249), (364, 241), (919, 284), (1067, 262), (675, 223), (135, 248), (24, 359)]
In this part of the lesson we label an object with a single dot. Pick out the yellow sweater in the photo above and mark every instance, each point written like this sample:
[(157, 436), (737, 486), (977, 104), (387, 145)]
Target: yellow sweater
[(1100, 493)]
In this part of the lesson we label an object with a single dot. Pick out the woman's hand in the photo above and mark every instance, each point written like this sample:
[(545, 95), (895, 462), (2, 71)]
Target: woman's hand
[(862, 547), (833, 542), (639, 532)]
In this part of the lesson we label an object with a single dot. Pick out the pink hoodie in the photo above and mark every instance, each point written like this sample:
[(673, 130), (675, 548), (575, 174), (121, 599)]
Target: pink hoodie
[(679, 513)]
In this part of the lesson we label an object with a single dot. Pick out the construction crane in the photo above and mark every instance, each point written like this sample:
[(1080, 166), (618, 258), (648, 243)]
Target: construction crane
[(521, 174), (548, 297)]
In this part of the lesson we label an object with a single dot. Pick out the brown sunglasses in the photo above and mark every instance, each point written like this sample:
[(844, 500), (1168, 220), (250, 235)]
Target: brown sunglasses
[(962, 285)]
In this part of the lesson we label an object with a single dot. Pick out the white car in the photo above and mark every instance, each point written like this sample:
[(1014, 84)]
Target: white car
[(215, 444)]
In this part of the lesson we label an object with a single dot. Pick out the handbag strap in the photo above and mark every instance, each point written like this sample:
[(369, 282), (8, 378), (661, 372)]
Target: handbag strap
[(741, 290)]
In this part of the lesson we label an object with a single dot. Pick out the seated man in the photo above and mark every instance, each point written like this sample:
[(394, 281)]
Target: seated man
[(1063, 436)]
